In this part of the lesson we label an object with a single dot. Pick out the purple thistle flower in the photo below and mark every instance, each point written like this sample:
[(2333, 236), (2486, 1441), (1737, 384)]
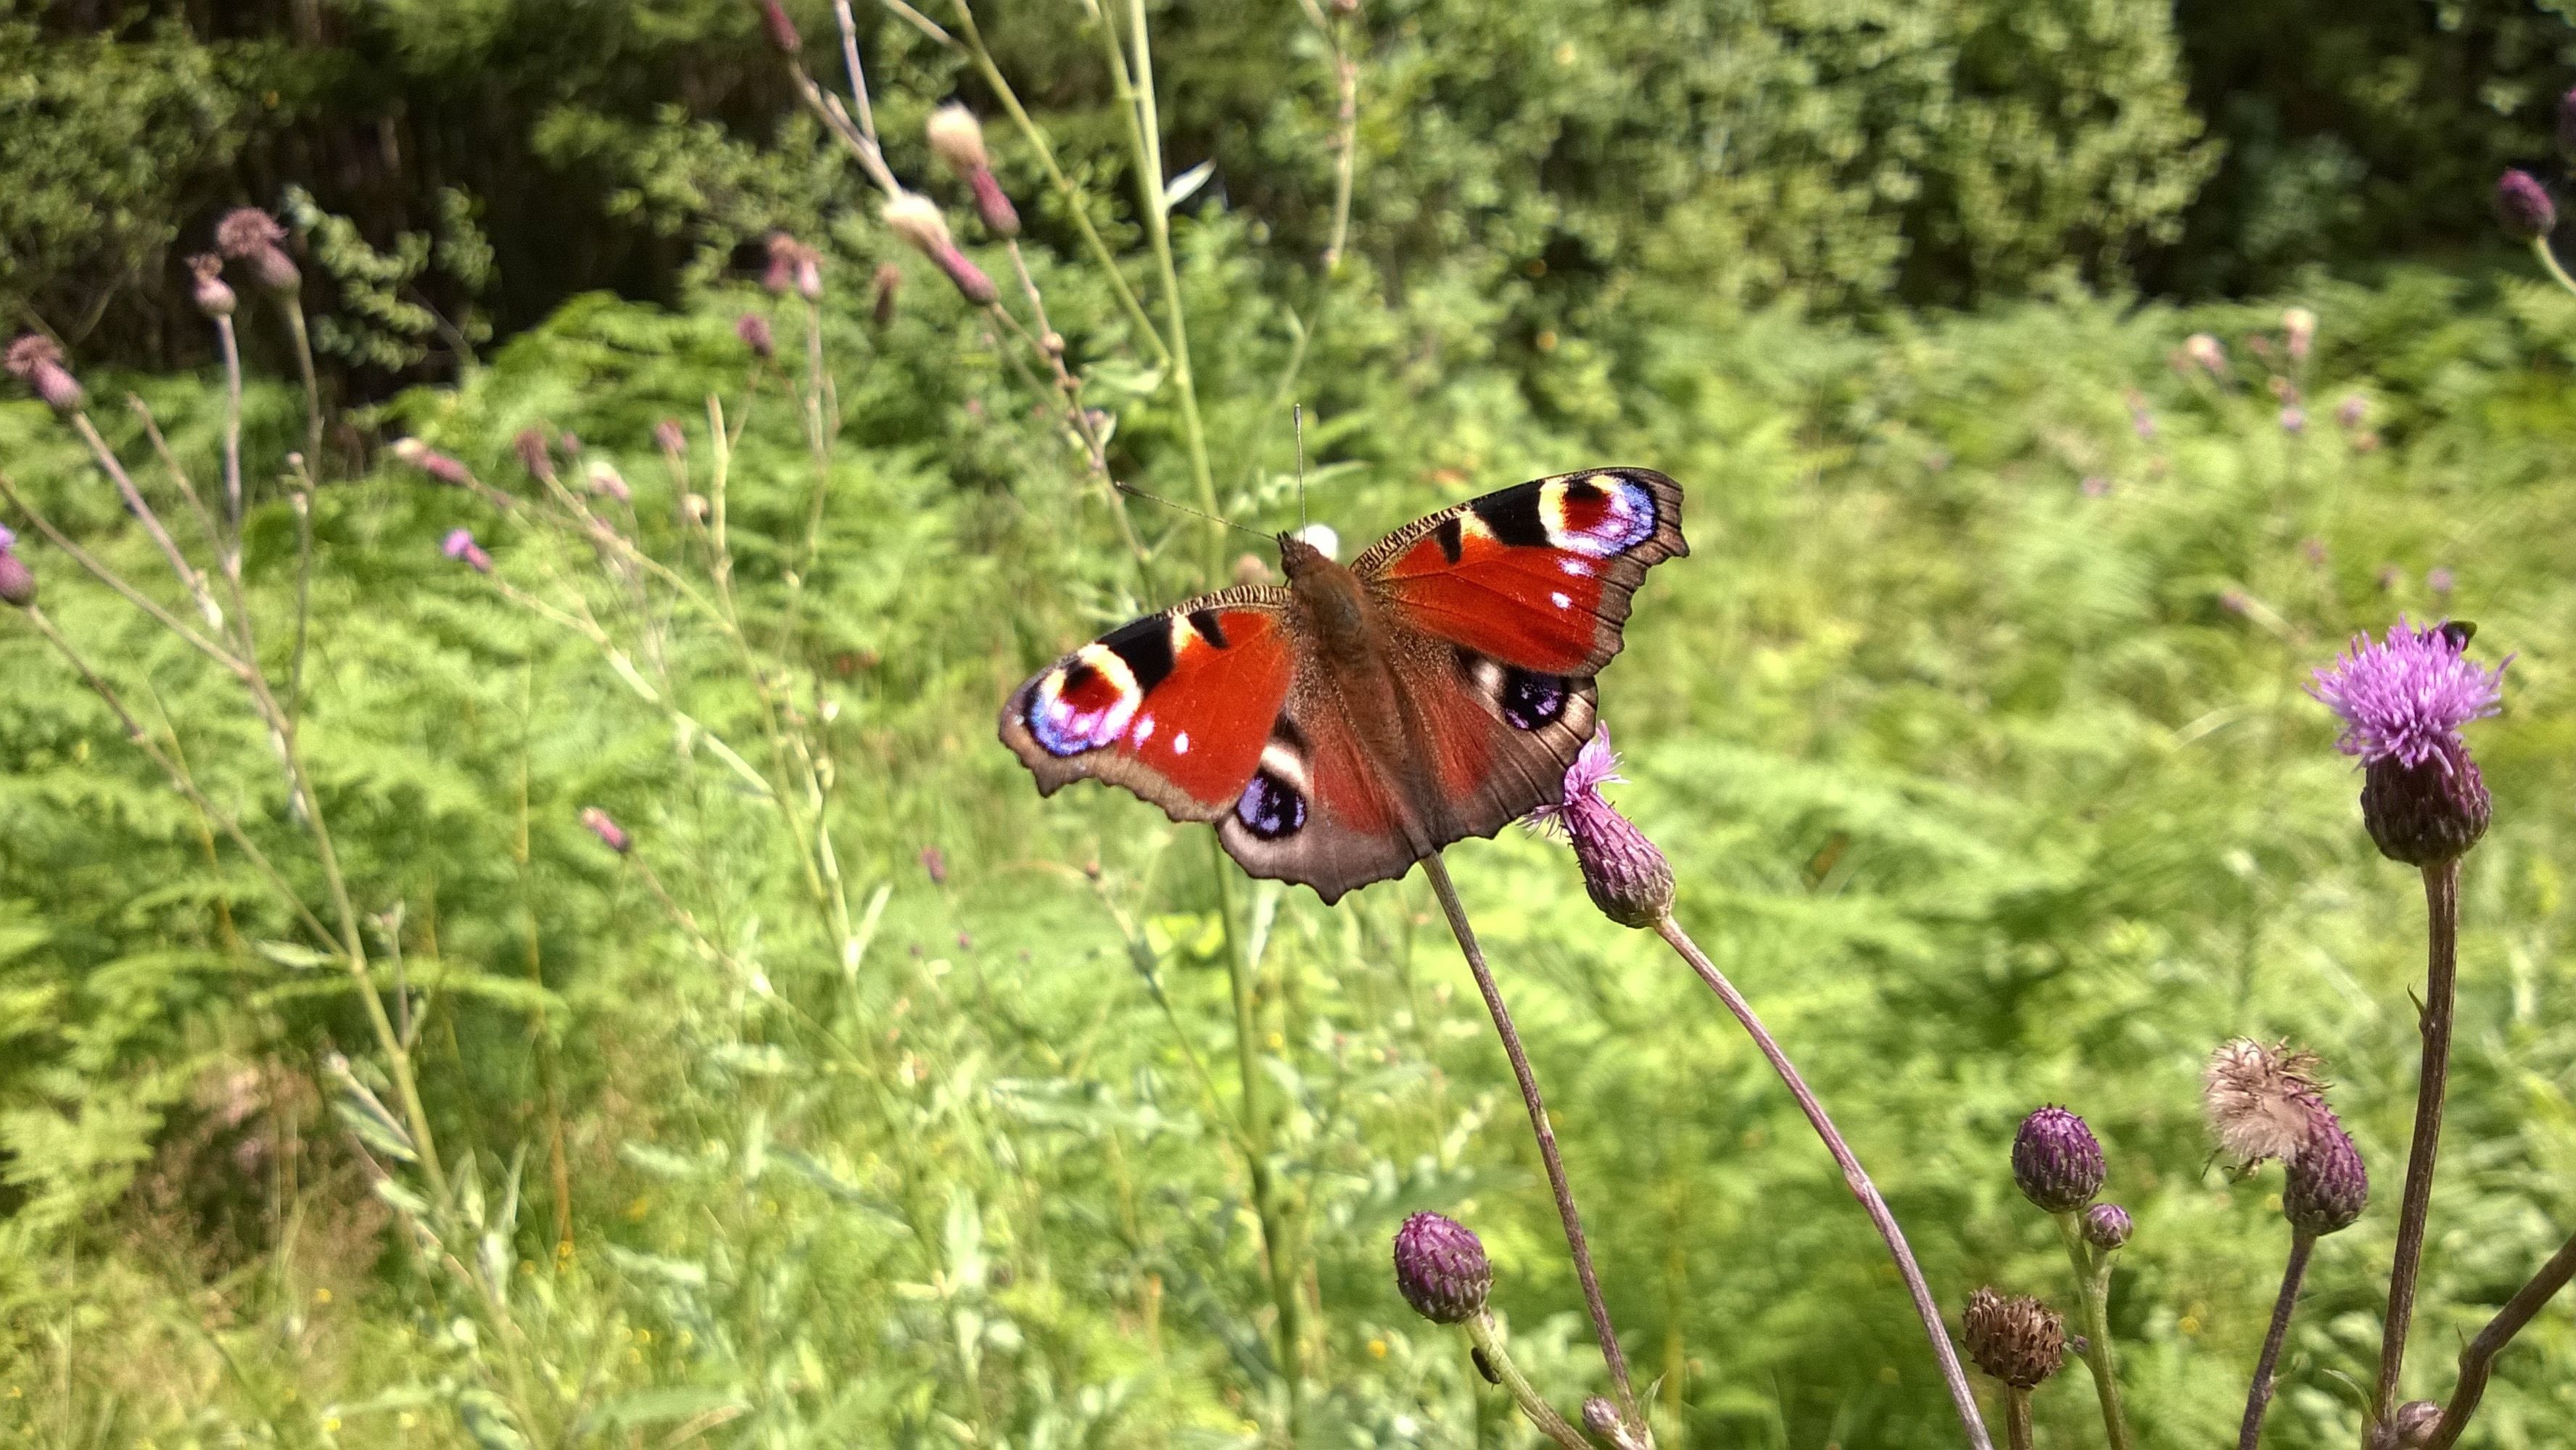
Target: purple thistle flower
[(2328, 1186), (432, 462), (2403, 701), (17, 581), (2056, 1160), (37, 362), (459, 545), (1626, 876), (1440, 1266), (610, 834), (253, 238), (2523, 206), (754, 331)]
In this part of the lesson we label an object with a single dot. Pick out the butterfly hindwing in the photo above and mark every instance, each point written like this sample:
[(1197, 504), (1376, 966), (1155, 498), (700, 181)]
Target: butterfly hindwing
[(1176, 706), (1538, 575)]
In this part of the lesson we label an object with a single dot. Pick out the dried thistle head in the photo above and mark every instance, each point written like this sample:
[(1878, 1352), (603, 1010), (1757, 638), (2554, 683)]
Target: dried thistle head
[(37, 362), (2262, 1101), (957, 138), (916, 219), (253, 238), (2017, 1339)]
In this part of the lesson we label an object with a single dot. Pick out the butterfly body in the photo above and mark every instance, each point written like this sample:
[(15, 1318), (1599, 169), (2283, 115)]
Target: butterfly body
[(1343, 726)]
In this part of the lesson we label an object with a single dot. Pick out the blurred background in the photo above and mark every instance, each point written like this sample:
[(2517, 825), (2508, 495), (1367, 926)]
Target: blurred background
[(1973, 725)]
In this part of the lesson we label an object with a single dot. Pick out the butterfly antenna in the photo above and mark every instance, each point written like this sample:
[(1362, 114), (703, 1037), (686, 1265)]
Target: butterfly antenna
[(1297, 412), (1134, 492)]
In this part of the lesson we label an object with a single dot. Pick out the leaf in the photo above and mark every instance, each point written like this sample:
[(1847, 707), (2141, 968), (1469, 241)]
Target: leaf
[(294, 954)]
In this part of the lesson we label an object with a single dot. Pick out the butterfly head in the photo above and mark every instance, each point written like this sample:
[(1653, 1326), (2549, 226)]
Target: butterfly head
[(1297, 556)]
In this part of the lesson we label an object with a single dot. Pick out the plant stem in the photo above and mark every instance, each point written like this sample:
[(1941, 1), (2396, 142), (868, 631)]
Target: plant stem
[(2549, 260), (1608, 1336), (2093, 1291), (1542, 1414), (1291, 1339), (1856, 1178), (294, 309), (232, 440), (2478, 1360), (2441, 969), (2017, 1417), (2258, 1395)]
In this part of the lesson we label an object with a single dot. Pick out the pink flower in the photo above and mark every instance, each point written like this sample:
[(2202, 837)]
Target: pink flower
[(459, 545), (1624, 873)]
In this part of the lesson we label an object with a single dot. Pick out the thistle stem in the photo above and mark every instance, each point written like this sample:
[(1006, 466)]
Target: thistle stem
[(2478, 1360), (2258, 1395), (2549, 260), (1854, 1177), (1541, 1413), (1291, 1336), (2441, 969), (1611, 1355), (2093, 1291), (2017, 1417)]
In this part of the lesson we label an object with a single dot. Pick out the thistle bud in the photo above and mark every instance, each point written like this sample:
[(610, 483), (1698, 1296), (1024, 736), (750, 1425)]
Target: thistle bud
[(882, 291), (2410, 1426), (1624, 873), (793, 266), (37, 362), (2056, 1160), (753, 329), (2106, 1226), (2017, 1340), (1441, 1268), (916, 219), (2328, 1185), (460, 546), (214, 298), (253, 238), (958, 140), (17, 581), (782, 31), (2523, 206), (610, 834), (1606, 1425), (432, 462)]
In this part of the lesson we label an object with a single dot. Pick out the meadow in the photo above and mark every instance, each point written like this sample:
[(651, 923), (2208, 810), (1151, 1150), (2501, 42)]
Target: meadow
[(661, 1013)]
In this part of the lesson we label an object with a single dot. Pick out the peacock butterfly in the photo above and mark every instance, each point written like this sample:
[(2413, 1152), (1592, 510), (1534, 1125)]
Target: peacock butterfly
[(1349, 723)]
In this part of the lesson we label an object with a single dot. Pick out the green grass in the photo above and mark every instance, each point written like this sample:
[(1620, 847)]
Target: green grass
[(1988, 791)]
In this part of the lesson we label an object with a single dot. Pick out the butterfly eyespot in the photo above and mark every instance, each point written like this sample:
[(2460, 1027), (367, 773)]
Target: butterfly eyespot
[(1530, 700), (1270, 808), (1599, 514), (1085, 703)]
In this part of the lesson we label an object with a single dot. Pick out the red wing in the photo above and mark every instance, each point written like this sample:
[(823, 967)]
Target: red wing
[(1175, 707), (1538, 575)]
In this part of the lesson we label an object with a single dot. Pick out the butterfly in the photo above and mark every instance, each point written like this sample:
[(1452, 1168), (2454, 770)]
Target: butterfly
[(1342, 726)]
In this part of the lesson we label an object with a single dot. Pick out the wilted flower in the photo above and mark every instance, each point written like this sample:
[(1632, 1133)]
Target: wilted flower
[(2299, 327), (2523, 206), (2206, 353), (882, 291), (459, 545), (253, 238), (957, 139), (610, 834), (213, 297), (792, 264), (2017, 1340), (37, 362), (430, 461), (1626, 876), (2262, 1101), (1441, 1268), (17, 581), (2106, 1226), (2056, 1160), (2328, 1187), (2402, 702), (782, 31), (753, 329), (916, 219)]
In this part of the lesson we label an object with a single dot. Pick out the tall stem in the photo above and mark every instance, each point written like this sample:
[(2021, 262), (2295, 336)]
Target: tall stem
[(2017, 1417), (2441, 968), (2478, 1360), (232, 440), (1291, 1334), (2093, 1291), (1962, 1397), (2258, 1395), (1602, 1330), (294, 310)]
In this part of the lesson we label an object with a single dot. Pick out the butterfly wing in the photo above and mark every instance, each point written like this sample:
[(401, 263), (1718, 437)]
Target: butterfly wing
[(1536, 577), (1176, 706)]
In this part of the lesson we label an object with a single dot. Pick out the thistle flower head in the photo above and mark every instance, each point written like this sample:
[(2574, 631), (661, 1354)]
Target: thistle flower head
[(253, 238), (2523, 207), (536, 452), (2056, 1160), (1623, 872), (37, 362), (793, 266), (2106, 1226), (754, 331), (604, 478), (460, 546), (2402, 702), (957, 139), (213, 297), (2016, 1339), (782, 31), (430, 461), (2207, 353), (2262, 1101), (17, 581), (1441, 1268), (2328, 1186), (916, 219), (668, 436), (610, 834)]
